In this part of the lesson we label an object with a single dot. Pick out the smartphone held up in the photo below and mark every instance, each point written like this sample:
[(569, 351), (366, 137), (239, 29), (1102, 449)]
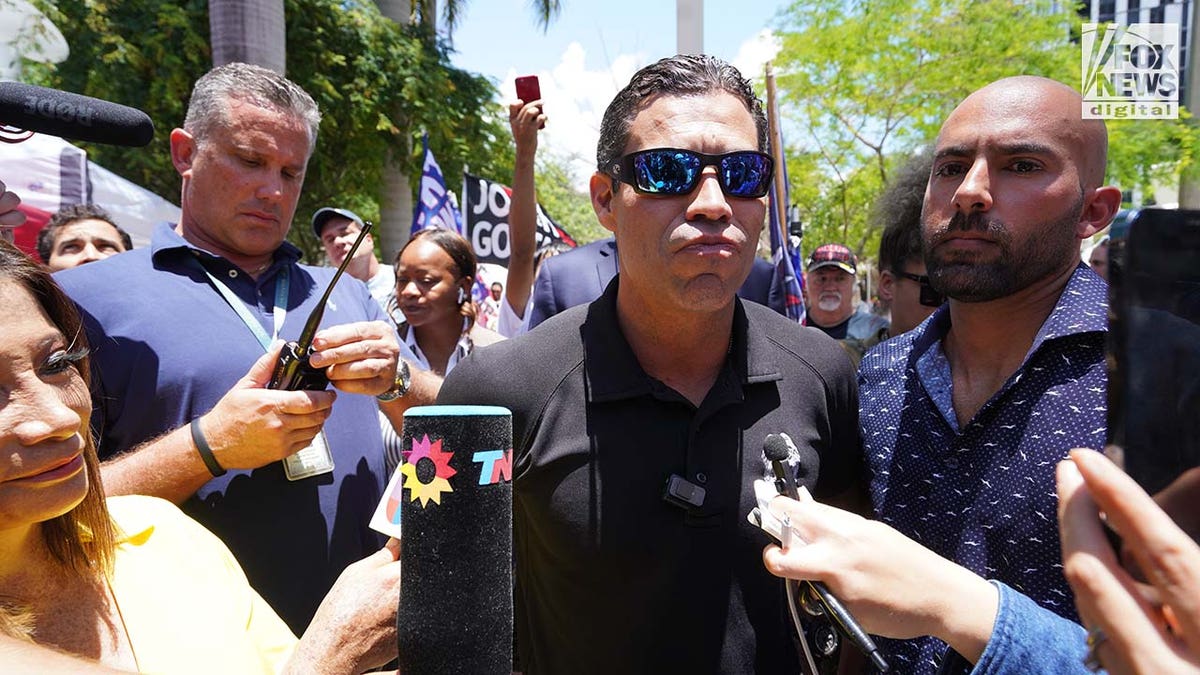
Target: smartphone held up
[(1154, 345), (528, 89)]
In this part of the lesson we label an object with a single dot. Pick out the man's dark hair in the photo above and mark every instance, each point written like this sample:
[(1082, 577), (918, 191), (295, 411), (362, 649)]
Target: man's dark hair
[(681, 75), (69, 214), (898, 209)]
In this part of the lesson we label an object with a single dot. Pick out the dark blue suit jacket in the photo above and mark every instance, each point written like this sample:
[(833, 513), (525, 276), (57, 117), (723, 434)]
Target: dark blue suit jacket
[(580, 276)]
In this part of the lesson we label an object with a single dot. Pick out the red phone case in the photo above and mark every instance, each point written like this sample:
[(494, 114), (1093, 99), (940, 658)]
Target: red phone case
[(528, 88)]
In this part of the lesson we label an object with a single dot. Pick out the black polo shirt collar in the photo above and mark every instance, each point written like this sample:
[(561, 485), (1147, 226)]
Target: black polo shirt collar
[(613, 371)]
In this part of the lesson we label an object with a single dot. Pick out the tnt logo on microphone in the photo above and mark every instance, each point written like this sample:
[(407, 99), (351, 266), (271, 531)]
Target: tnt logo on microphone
[(1130, 72), (427, 470)]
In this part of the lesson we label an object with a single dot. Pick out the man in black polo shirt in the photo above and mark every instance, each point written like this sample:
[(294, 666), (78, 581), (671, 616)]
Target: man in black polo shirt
[(667, 377)]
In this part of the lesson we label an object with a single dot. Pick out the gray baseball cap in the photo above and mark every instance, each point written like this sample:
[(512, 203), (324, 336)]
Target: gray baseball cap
[(323, 215)]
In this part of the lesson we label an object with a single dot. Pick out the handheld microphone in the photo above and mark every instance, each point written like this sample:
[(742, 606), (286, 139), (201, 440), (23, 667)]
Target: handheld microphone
[(455, 612), (72, 116), (292, 370), (776, 448)]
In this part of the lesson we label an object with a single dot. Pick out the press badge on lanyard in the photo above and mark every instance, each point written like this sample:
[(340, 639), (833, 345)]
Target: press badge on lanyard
[(316, 459)]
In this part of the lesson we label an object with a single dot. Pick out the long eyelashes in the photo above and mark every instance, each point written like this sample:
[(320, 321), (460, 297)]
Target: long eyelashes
[(63, 359), (67, 357)]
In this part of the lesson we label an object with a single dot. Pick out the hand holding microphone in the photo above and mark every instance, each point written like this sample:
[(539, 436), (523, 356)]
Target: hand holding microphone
[(777, 448), (894, 586)]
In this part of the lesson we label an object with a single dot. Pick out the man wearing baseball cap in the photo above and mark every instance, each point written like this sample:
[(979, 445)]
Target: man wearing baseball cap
[(337, 229), (831, 276)]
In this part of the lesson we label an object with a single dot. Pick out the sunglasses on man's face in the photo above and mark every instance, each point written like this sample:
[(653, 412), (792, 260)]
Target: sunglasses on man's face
[(745, 174)]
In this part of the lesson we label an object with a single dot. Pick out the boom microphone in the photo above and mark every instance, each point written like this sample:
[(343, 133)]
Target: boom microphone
[(72, 116)]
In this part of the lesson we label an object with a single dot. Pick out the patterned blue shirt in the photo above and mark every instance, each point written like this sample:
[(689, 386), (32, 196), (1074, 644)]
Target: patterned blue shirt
[(984, 495)]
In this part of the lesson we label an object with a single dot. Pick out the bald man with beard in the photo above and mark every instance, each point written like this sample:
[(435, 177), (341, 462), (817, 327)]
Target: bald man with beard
[(964, 419)]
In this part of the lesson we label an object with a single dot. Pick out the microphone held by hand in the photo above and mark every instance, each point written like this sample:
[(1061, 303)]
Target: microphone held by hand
[(777, 448), (456, 602)]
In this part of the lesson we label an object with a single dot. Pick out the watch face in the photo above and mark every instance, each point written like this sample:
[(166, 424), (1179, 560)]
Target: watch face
[(399, 385), (403, 378)]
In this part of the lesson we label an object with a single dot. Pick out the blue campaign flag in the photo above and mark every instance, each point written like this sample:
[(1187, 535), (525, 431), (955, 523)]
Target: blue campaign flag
[(783, 254), (435, 205)]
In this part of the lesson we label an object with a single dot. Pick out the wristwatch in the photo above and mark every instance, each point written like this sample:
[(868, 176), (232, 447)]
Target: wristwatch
[(400, 385)]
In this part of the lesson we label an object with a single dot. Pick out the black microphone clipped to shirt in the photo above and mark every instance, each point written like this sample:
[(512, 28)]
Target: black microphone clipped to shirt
[(72, 116), (776, 449)]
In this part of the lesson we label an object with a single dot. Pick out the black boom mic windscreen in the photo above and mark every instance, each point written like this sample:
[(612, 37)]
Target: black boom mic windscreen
[(456, 603), (72, 116)]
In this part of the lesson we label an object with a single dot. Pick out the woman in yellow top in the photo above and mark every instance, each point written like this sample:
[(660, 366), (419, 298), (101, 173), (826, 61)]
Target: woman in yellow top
[(132, 584)]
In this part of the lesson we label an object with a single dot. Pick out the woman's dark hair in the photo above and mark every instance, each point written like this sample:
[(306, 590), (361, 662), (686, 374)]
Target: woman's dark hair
[(84, 538), (461, 255)]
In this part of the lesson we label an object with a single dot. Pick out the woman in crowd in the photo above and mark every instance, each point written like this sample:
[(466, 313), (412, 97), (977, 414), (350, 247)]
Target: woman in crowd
[(434, 274), (130, 583)]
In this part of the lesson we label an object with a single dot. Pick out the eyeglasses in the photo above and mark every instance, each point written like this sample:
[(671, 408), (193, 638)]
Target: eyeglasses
[(745, 174), (919, 278), (929, 296)]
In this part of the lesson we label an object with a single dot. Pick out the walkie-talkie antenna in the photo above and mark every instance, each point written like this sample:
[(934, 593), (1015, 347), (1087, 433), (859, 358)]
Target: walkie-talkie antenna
[(293, 370), (314, 320)]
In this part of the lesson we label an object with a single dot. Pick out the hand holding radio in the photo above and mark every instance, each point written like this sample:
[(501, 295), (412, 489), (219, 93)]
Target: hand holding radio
[(293, 370), (252, 426), (357, 358)]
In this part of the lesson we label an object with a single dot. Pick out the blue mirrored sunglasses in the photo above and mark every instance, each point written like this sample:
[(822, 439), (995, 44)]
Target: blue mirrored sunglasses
[(670, 171)]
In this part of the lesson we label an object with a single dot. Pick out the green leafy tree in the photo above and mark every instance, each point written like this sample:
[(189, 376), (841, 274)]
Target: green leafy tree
[(368, 75), (569, 207), (868, 82), (425, 11), (396, 203)]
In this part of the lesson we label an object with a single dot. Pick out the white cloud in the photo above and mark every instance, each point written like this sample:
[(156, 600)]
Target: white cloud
[(756, 51)]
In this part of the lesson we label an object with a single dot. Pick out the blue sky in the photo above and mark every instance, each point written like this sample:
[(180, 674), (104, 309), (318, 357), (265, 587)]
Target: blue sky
[(592, 49)]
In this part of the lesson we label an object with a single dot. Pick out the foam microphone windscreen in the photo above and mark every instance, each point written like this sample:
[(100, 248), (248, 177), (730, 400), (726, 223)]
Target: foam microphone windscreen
[(72, 116), (456, 607)]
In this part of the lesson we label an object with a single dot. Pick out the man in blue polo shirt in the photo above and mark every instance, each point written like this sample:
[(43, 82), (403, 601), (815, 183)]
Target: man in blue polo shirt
[(181, 335)]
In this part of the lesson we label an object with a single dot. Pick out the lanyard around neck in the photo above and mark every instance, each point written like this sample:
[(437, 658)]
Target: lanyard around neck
[(282, 284)]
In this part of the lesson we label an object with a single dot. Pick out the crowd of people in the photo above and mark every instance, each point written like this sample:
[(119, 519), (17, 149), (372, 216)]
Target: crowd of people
[(951, 494)]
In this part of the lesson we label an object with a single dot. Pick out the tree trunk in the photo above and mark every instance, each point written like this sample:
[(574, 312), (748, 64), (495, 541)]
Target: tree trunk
[(396, 202), (249, 31)]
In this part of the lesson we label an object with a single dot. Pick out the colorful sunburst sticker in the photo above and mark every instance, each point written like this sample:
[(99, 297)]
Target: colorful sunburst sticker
[(418, 463)]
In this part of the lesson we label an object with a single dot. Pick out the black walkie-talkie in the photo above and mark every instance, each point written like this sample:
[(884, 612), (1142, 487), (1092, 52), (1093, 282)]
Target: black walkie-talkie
[(292, 371)]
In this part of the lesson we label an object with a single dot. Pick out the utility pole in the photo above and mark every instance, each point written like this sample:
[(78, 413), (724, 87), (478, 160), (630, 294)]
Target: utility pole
[(689, 26)]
